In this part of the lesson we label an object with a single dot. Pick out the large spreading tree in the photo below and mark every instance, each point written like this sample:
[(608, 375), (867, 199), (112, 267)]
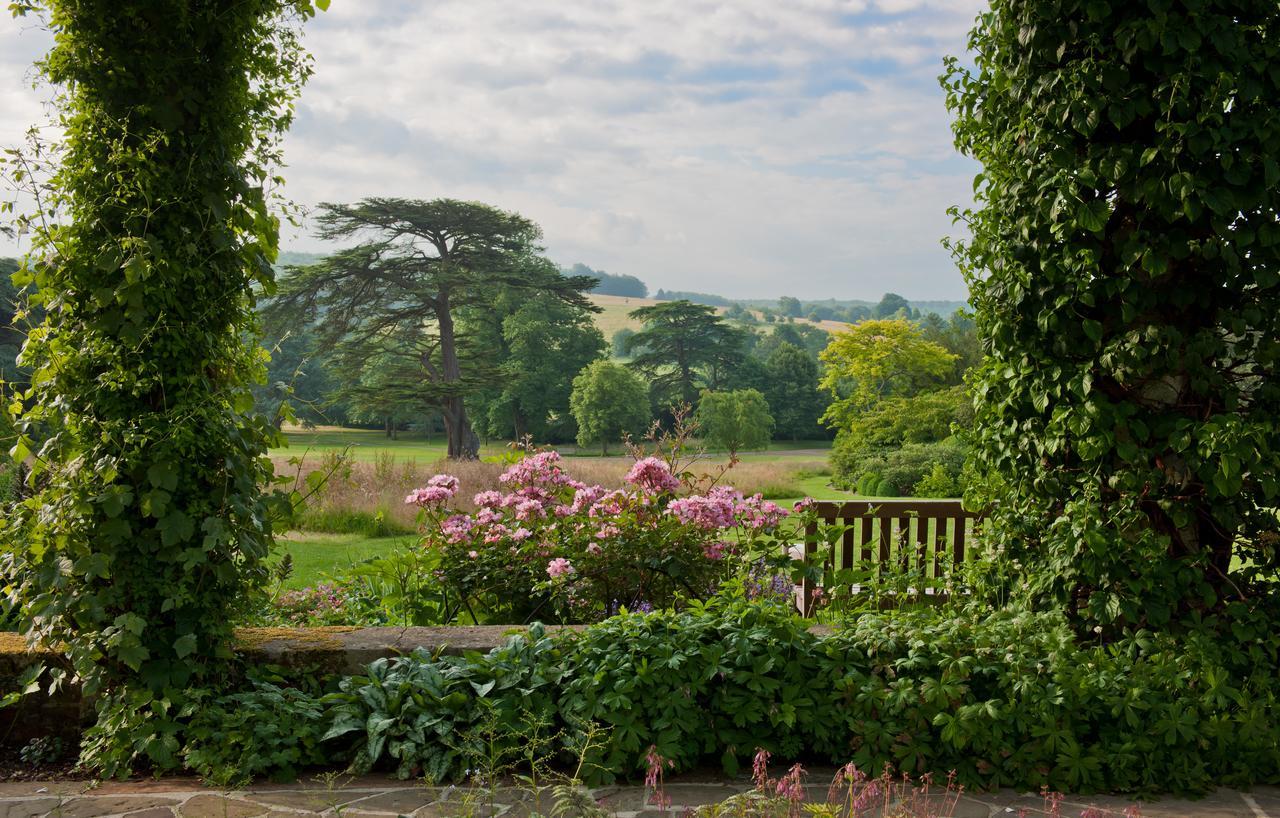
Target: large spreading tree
[(398, 294), (1125, 266), (683, 348)]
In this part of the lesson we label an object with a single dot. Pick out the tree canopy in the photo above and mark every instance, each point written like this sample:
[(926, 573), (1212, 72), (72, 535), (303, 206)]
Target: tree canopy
[(683, 348), (399, 293), (877, 359), (735, 421), (608, 403), (791, 388)]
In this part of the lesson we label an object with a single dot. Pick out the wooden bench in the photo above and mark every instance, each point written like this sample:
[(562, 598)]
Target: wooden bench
[(918, 538)]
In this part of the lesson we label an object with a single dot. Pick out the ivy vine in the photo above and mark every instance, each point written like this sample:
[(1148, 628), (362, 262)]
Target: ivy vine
[(149, 515), (1124, 261)]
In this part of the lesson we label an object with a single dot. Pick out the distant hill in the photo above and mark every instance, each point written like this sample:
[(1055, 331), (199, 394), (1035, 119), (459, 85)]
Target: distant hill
[(293, 257), (697, 298), (629, 286), (610, 284)]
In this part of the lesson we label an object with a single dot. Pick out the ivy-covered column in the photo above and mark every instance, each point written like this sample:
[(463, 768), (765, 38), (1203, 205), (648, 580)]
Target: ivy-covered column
[(149, 522), (1125, 267)]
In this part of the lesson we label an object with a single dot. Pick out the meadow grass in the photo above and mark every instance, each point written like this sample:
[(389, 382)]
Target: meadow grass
[(359, 510)]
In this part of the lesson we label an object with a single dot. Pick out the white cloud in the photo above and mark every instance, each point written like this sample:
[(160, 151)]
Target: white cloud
[(751, 148)]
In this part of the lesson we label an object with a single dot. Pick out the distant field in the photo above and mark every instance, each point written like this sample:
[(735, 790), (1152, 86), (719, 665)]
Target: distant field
[(365, 445), (616, 308)]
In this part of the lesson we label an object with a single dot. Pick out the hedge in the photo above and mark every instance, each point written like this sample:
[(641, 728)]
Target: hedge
[(1006, 700)]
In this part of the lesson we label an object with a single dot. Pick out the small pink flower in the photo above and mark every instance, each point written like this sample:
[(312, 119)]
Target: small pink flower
[(445, 481), (559, 567), (653, 475), (594, 548), (473, 554), (429, 496), (529, 510), (488, 499), (521, 534)]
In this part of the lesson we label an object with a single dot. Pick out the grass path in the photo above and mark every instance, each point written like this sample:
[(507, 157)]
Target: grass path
[(317, 556)]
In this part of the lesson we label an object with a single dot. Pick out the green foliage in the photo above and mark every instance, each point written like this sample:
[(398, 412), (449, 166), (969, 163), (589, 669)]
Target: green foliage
[(884, 487), (869, 484), (267, 730), (877, 360), (625, 286), (937, 483), (924, 418), (898, 470), (683, 348), (892, 305), (735, 421), (608, 402), (711, 684), (791, 388), (1010, 699), (618, 344), (544, 343), (429, 716), (149, 526), (1125, 268), (395, 300)]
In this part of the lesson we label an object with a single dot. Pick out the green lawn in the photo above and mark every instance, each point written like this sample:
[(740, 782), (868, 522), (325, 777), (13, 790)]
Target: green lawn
[(365, 445), (318, 556)]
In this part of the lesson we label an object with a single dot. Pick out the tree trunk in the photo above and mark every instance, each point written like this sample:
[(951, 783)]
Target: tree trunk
[(386, 426), (463, 443)]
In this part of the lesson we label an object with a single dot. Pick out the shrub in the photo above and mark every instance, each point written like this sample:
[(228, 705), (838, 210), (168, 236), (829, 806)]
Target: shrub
[(869, 483), (712, 683), (937, 483), (1010, 699), (554, 547), (903, 467), (885, 488), (431, 715)]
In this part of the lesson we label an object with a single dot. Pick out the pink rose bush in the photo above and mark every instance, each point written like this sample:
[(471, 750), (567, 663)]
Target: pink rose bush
[(550, 547)]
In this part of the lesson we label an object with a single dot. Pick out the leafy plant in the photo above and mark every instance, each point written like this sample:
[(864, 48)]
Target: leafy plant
[(425, 713), (1125, 268), (150, 525), (266, 730)]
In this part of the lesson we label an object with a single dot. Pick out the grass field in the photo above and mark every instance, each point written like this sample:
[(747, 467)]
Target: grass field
[(615, 309)]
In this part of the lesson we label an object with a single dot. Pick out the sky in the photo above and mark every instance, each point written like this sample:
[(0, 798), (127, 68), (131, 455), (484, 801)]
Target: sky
[(751, 148)]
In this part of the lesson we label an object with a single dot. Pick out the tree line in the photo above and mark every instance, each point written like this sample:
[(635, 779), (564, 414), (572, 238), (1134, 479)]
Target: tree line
[(447, 314)]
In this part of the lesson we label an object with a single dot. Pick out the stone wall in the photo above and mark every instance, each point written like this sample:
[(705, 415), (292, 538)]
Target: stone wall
[(336, 650)]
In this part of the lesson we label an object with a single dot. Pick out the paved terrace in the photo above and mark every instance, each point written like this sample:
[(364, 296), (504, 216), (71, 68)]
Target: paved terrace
[(376, 797)]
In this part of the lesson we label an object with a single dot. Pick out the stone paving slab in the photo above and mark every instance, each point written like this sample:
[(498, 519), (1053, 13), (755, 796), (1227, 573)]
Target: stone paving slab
[(377, 797)]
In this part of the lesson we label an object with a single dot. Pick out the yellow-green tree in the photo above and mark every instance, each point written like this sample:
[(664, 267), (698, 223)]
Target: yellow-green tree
[(875, 360)]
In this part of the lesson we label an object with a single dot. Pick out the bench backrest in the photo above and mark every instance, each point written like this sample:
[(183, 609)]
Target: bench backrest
[(926, 537)]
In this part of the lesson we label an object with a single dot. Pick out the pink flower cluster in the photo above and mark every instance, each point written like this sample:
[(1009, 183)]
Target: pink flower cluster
[(725, 507), (653, 476), (559, 567), (439, 490), (542, 469)]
